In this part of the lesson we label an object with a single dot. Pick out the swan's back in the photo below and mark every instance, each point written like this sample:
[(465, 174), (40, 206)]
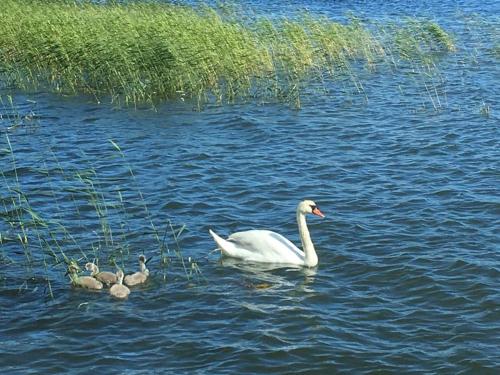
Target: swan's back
[(260, 246), (119, 291), (136, 278), (107, 278), (88, 282)]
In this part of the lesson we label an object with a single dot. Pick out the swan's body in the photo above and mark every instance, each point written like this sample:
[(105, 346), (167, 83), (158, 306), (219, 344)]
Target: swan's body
[(138, 277), (265, 246), (119, 290), (82, 281), (104, 277)]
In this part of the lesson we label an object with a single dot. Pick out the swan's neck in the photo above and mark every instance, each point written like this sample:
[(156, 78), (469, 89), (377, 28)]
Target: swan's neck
[(310, 257), (143, 269)]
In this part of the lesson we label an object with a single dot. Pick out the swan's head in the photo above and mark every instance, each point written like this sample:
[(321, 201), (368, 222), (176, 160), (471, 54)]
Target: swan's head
[(91, 267), (142, 263), (309, 207), (73, 269)]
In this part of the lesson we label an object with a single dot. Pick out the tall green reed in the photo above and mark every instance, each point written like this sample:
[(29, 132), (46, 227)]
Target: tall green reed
[(138, 52)]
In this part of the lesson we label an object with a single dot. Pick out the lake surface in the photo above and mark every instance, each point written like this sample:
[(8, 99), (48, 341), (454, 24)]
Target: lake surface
[(407, 173)]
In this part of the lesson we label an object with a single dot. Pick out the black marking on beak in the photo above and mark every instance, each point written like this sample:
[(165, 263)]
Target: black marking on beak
[(317, 211)]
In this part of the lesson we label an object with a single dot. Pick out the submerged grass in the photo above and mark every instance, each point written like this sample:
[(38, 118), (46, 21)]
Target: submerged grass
[(140, 52)]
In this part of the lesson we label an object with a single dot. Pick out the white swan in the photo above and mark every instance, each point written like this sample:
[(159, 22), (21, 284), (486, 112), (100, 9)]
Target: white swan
[(270, 247)]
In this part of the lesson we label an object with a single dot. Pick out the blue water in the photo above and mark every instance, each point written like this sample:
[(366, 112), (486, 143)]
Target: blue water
[(407, 172)]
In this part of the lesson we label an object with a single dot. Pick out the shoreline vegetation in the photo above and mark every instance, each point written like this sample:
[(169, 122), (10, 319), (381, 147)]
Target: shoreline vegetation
[(145, 52)]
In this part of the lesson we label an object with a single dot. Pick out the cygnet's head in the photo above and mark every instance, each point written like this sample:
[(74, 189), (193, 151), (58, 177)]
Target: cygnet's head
[(90, 267), (309, 207), (73, 268)]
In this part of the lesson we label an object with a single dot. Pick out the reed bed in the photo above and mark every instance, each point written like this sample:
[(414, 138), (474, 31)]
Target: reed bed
[(143, 52)]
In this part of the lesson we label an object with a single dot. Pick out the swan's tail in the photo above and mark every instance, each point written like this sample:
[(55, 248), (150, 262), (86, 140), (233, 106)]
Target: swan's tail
[(226, 247)]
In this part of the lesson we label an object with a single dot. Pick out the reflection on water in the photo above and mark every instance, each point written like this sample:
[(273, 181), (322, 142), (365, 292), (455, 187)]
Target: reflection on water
[(260, 276)]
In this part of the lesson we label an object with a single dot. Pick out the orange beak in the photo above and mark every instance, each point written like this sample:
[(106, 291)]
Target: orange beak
[(317, 212)]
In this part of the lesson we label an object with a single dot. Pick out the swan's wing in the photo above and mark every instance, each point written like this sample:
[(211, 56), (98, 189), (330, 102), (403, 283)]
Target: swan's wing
[(262, 239), (266, 246)]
